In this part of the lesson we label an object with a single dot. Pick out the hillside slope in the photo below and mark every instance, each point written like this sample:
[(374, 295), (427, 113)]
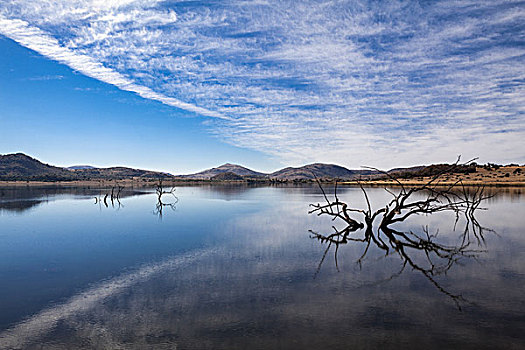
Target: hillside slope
[(21, 167), (225, 168), (319, 170)]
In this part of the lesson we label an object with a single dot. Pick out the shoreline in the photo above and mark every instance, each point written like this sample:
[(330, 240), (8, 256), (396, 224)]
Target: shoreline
[(171, 183), (439, 183)]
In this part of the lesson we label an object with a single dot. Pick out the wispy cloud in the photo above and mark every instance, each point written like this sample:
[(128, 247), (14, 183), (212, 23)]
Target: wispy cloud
[(46, 78), (38, 40), (351, 82)]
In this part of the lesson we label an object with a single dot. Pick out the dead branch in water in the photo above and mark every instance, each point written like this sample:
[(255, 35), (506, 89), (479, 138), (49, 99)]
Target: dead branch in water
[(375, 228), (113, 195), (159, 190)]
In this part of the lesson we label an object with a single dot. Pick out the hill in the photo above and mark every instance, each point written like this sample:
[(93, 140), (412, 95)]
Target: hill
[(228, 176), (225, 168), (21, 167), (319, 170), (432, 170), (307, 172), (119, 173)]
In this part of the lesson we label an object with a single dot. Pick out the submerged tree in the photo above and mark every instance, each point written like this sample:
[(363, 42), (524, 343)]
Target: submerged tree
[(160, 191), (114, 196), (375, 228)]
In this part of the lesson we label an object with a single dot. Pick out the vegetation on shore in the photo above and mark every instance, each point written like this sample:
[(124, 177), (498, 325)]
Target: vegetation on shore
[(17, 169), (472, 175)]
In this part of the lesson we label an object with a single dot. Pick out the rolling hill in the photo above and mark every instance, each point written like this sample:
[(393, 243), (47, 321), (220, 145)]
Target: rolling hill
[(228, 176), (307, 172), (21, 167), (225, 168), (319, 170)]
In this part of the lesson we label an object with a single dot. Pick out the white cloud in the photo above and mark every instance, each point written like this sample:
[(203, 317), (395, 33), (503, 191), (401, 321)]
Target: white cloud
[(36, 39), (350, 82)]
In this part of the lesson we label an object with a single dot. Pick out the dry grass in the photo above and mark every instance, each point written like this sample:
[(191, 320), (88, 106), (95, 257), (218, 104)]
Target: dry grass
[(504, 176)]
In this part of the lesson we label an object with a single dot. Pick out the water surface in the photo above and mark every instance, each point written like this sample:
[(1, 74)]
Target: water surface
[(232, 267)]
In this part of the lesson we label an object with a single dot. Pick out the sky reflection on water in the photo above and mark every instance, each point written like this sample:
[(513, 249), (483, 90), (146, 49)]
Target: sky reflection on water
[(233, 268)]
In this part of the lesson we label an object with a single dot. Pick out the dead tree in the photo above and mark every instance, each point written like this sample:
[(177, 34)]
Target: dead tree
[(376, 227), (159, 190), (106, 200), (114, 195)]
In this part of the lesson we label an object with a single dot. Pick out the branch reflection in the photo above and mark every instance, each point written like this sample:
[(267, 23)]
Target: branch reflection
[(161, 204), (421, 250)]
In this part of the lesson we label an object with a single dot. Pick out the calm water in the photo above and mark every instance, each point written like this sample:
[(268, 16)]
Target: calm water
[(236, 268)]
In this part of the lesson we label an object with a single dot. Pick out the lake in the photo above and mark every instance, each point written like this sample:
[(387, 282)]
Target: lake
[(237, 267)]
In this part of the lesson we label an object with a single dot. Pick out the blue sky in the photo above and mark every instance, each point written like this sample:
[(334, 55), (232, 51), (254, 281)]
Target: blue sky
[(184, 85)]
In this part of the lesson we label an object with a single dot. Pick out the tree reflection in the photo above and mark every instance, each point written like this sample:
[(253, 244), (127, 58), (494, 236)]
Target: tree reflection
[(422, 251), (161, 204), (113, 195)]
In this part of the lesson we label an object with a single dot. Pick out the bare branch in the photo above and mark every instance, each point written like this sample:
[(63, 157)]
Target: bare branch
[(426, 199)]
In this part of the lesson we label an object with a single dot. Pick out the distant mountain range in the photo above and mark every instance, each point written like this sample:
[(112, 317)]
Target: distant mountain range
[(21, 167), (307, 172)]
